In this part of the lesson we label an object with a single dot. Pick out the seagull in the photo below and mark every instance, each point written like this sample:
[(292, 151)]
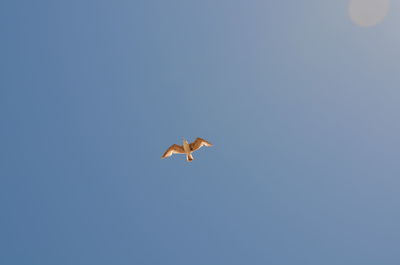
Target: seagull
[(187, 148)]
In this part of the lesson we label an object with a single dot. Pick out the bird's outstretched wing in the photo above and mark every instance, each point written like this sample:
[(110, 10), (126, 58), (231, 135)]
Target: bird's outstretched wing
[(173, 149), (199, 142)]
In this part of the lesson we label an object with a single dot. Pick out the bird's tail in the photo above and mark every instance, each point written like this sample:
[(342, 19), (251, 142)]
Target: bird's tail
[(189, 157)]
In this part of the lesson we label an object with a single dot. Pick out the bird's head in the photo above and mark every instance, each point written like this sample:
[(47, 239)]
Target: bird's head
[(184, 140)]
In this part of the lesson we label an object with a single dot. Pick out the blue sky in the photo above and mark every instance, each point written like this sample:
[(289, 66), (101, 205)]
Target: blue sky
[(301, 104)]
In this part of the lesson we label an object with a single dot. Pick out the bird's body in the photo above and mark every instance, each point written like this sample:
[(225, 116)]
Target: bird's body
[(186, 148), (188, 151)]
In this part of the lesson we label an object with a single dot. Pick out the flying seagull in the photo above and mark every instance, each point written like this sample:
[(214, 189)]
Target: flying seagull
[(187, 148)]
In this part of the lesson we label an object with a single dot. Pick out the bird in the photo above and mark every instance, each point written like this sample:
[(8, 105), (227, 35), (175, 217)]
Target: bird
[(186, 148)]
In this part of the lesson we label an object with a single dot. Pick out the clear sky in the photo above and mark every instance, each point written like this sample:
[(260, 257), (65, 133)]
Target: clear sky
[(301, 102)]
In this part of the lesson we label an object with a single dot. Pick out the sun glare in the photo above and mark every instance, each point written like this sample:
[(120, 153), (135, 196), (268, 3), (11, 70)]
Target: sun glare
[(368, 13)]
